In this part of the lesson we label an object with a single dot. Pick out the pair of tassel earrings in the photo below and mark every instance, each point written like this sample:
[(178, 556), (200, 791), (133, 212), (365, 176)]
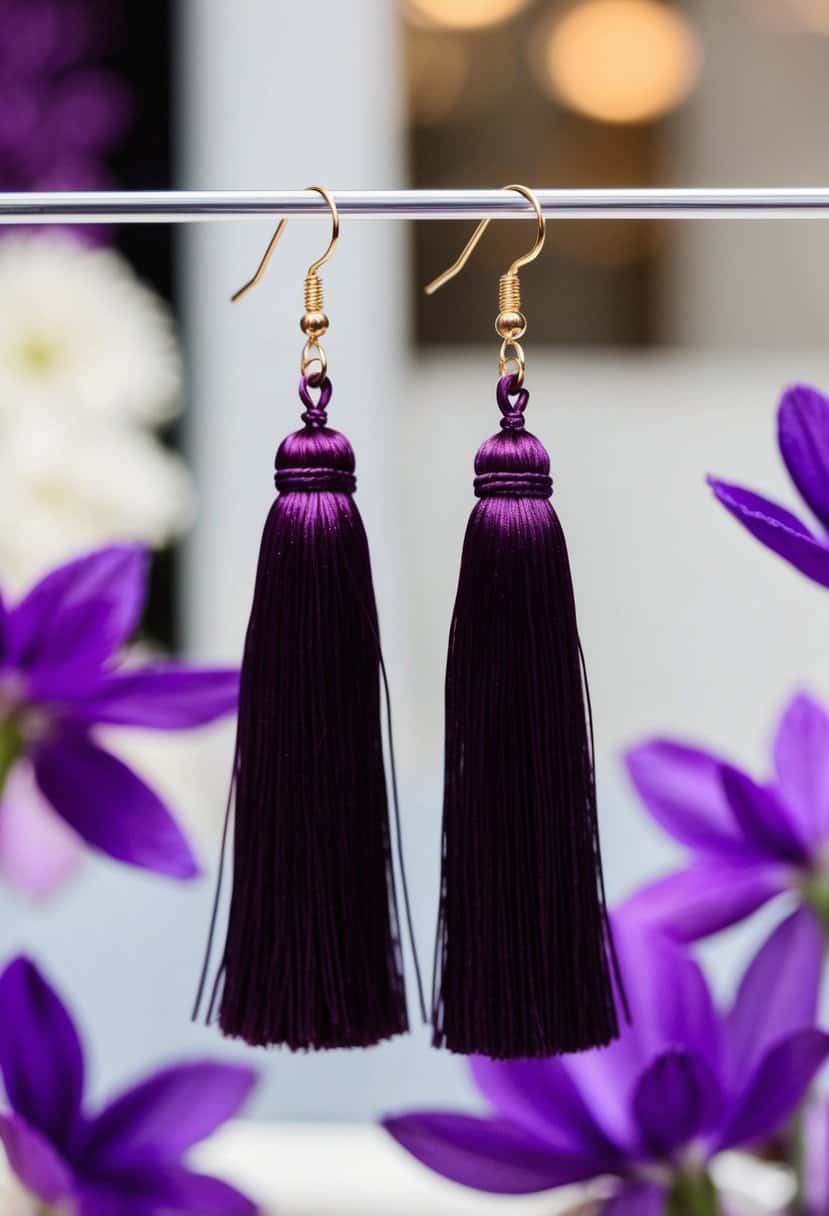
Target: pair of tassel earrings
[(524, 961)]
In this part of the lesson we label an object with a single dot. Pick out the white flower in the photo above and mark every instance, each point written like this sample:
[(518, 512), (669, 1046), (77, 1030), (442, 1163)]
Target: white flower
[(78, 330), (69, 483)]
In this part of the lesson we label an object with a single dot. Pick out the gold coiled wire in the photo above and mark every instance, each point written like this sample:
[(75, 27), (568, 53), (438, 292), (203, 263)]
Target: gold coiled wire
[(509, 292), (313, 293)]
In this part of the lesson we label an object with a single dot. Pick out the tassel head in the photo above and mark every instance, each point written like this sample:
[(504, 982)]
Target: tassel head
[(523, 955), (315, 458)]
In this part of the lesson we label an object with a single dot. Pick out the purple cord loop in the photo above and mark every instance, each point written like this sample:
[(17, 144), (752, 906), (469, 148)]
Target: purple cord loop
[(315, 415), (513, 410)]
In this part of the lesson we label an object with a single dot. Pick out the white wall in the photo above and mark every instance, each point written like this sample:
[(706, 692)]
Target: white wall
[(758, 118)]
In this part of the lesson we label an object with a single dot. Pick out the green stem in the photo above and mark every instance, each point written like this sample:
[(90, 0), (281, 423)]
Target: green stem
[(11, 748), (693, 1194), (815, 891)]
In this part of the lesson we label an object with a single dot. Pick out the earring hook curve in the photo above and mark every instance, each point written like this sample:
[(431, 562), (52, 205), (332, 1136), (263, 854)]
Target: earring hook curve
[(315, 266), (465, 254)]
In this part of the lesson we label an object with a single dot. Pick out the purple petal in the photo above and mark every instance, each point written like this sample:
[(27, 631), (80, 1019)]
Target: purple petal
[(803, 435), (682, 788), (486, 1154), (705, 898), (105, 1198), (40, 1054), (801, 757), (33, 1160), (111, 808), (85, 609), (816, 1159), (4, 629), (777, 529), (677, 1098), (637, 1199), (777, 995), (153, 1187), (764, 818), (205, 1196), (38, 850), (775, 1089), (72, 655), (168, 697), (670, 1007), (168, 1113), (540, 1095)]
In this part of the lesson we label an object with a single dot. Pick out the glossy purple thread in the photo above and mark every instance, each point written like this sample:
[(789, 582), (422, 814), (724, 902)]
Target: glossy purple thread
[(521, 965), (313, 956)]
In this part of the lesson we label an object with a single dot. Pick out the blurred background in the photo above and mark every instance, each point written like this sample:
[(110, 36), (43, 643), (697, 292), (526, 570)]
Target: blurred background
[(656, 353)]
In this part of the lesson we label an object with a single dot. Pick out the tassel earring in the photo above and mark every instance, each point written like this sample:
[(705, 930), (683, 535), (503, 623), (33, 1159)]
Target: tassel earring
[(523, 956), (313, 955)]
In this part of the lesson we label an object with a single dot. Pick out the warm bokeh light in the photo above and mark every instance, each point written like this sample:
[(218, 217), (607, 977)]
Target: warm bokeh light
[(462, 14), (620, 61), (814, 14)]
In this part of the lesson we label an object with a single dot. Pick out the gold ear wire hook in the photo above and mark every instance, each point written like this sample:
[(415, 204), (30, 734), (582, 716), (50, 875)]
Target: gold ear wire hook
[(510, 324), (314, 323), (263, 265), (470, 245), (335, 229), (314, 268)]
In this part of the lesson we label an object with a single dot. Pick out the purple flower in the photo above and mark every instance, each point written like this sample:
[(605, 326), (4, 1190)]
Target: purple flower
[(59, 677), (50, 75), (681, 1084), (749, 840), (127, 1159), (61, 112), (803, 436)]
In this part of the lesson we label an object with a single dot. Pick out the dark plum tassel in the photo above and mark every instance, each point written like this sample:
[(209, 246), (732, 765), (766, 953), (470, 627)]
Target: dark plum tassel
[(313, 957), (524, 956)]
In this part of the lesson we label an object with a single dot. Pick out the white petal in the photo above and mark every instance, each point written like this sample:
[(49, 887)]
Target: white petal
[(78, 329), (38, 850), (70, 482)]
